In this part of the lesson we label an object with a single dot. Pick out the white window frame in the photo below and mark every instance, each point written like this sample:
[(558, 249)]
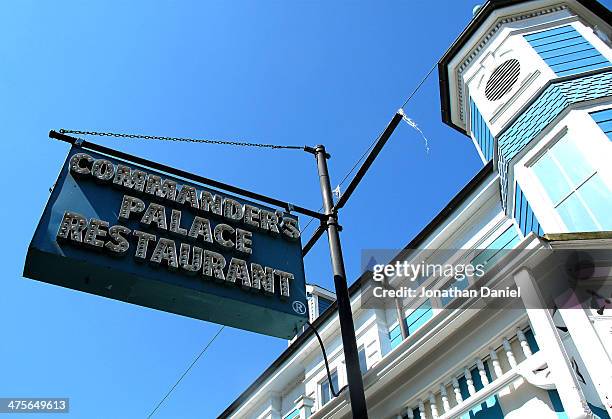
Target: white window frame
[(574, 187), (320, 386), (578, 123)]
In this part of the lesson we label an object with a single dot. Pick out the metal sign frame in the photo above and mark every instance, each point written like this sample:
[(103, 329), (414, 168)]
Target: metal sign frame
[(94, 272)]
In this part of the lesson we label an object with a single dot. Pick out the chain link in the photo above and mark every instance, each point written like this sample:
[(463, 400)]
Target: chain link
[(181, 139)]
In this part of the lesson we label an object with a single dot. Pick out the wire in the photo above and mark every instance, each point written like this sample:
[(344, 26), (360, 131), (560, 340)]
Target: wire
[(331, 384), (247, 144), (365, 153), (309, 222), (416, 89), (186, 371), (181, 139)]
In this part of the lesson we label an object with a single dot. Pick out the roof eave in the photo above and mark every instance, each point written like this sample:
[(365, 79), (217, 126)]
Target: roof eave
[(355, 286)]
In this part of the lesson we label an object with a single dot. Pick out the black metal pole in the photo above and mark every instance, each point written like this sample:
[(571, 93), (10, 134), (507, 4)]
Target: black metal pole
[(347, 328)]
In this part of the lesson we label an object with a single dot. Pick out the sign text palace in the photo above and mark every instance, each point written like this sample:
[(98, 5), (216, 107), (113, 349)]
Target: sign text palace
[(165, 241)]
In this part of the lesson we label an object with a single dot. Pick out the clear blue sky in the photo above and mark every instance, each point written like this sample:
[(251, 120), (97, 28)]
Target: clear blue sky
[(276, 72)]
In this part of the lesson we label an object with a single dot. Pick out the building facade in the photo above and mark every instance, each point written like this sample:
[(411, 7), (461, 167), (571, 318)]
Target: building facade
[(530, 83)]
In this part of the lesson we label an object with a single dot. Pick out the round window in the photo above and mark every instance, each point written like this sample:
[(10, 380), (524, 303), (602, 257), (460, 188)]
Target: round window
[(502, 79)]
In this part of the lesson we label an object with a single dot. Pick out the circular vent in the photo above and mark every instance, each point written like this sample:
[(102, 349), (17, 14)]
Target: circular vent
[(502, 79)]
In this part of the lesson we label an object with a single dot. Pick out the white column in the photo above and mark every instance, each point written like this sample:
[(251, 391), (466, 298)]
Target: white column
[(524, 344), (482, 372), (591, 351), (433, 406), (470, 382), (495, 362), (509, 353), (444, 395), (457, 390), (273, 411), (549, 341)]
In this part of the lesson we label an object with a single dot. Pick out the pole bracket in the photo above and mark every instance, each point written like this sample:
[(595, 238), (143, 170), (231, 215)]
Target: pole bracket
[(313, 151), (333, 220)]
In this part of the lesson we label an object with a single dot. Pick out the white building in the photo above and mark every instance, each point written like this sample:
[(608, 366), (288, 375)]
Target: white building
[(530, 82)]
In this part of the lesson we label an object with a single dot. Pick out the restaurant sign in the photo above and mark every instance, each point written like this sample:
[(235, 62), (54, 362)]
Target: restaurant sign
[(126, 232)]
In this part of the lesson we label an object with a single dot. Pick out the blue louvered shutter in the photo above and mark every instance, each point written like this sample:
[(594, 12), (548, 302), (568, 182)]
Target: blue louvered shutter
[(481, 131), (566, 51), (523, 214), (603, 118)]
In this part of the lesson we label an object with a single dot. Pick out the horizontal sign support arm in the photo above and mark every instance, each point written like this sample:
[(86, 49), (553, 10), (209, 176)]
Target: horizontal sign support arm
[(187, 175)]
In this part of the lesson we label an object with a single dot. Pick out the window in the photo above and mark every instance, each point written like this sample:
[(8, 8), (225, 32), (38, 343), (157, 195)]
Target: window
[(395, 336), (294, 414), (507, 240), (324, 304), (566, 51), (419, 317), (576, 190), (363, 366), (326, 394), (487, 257), (455, 284), (414, 321), (502, 79)]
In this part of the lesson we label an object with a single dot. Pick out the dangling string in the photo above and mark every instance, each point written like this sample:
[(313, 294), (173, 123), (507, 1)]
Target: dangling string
[(414, 125)]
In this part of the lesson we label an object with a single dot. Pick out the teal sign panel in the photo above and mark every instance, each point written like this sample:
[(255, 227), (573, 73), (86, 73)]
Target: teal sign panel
[(126, 232)]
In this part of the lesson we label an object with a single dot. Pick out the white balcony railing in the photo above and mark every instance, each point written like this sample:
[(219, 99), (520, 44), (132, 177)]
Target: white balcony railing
[(495, 371)]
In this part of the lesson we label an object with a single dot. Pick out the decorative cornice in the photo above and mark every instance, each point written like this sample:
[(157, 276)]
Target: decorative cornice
[(485, 40)]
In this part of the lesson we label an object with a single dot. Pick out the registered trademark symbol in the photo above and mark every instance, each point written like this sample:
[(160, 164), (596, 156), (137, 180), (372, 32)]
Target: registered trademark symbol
[(299, 307)]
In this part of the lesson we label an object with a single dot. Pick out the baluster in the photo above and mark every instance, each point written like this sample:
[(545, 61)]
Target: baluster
[(444, 396), (433, 406), (509, 353), (470, 382), (422, 409), (495, 362), (410, 413), (524, 344), (482, 372), (457, 390)]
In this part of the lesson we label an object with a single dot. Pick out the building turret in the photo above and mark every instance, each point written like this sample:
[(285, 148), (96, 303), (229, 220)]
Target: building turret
[(530, 82)]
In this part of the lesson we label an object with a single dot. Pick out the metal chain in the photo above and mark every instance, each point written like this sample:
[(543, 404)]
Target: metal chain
[(188, 140)]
